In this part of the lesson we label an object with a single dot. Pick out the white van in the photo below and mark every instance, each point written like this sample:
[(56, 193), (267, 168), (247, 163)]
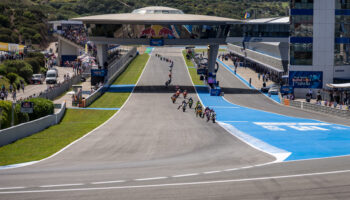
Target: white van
[(51, 76)]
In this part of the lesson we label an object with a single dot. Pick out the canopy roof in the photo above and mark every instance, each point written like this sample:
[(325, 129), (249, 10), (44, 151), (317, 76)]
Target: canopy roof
[(341, 85)]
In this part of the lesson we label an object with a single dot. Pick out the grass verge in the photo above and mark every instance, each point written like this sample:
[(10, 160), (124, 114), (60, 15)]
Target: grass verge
[(129, 76), (193, 71), (74, 125), (133, 71)]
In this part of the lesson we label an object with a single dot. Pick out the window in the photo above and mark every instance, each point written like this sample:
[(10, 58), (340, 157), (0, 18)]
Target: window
[(301, 54), (342, 4), (302, 4), (342, 54)]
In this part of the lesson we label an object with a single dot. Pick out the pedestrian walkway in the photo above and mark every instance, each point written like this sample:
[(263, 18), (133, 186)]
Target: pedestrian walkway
[(247, 73), (275, 98)]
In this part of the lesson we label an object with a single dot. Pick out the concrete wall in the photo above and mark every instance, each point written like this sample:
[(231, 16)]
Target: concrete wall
[(62, 88), (20, 131)]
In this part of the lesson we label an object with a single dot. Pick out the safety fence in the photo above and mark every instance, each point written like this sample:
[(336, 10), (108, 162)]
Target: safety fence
[(10, 135), (316, 108)]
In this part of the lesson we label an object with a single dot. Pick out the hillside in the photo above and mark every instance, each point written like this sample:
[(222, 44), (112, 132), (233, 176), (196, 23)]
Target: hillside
[(22, 20)]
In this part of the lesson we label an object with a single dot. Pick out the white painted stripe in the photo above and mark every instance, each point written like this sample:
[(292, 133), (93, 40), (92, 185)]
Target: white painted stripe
[(211, 172), (185, 175), (79, 139), (278, 153), (11, 188), (62, 185), (149, 179), (181, 184), (107, 182)]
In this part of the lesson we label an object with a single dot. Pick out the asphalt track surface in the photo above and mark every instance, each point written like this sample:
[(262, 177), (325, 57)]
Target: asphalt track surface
[(151, 150)]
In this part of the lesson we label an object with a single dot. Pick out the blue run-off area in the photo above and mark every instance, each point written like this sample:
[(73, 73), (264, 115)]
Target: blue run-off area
[(297, 138), (120, 88), (231, 69)]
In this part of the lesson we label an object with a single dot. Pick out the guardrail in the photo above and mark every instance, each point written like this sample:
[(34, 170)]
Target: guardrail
[(20, 131), (115, 69), (317, 108)]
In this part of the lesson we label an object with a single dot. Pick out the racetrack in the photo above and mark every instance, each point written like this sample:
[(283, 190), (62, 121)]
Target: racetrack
[(151, 150)]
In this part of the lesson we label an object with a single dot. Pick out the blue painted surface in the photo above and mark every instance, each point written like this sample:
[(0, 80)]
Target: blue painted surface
[(273, 97), (321, 140), (120, 88), (78, 108)]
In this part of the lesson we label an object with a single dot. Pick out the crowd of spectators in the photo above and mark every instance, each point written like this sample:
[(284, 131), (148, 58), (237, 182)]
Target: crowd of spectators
[(10, 56), (76, 34)]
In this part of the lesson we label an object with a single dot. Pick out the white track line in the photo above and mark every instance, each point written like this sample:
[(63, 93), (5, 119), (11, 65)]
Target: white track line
[(180, 184), (11, 188), (107, 182), (149, 179), (87, 134), (184, 175), (62, 185), (212, 172)]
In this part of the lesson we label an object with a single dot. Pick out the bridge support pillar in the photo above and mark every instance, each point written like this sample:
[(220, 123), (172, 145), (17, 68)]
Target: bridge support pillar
[(102, 54), (212, 55), (66, 51)]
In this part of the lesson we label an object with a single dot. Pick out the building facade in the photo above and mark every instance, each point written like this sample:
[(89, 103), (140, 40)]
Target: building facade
[(319, 43)]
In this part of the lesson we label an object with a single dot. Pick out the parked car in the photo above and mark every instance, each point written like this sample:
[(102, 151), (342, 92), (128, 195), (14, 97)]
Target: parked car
[(274, 90), (51, 76), (266, 89), (38, 78)]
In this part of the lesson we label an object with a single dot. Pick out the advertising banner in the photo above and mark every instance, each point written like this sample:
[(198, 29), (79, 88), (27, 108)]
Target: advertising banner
[(4, 46), (98, 72), (306, 79), (156, 42)]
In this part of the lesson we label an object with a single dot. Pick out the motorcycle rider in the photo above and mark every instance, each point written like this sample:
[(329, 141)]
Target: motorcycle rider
[(185, 94), (173, 98), (183, 105), (212, 115), (190, 102), (198, 110)]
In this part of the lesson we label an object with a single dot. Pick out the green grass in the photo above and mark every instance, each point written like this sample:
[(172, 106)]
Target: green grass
[(111, 100), (129, 76), (74, 125), (134, 70), (201, 50), (193, 71), (188, 61)]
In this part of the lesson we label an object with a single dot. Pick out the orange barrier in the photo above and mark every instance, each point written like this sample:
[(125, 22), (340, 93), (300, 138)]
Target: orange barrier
[(286, 102)]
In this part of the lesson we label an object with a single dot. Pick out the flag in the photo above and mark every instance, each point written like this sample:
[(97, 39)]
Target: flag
[(247, 15)]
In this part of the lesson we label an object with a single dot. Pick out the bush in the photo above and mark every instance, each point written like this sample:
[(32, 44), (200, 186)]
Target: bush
[(26, 72), (19, 116), (19, 67), (36, 39), (6, 113), (34, 62), (12, 77), (3, 70), (5, 38), (42, 107), (4, 21)]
